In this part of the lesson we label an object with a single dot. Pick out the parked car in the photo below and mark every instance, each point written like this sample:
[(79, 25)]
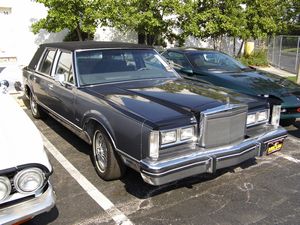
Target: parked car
[(136, 111), (25, 190), (222, 70)]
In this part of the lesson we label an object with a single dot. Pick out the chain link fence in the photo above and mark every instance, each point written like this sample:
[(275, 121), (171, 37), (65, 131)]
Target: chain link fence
[(284, 52)]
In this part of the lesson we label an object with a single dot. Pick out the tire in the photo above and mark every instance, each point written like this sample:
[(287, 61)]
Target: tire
[(36, 111), (287, 122), (107, 163)]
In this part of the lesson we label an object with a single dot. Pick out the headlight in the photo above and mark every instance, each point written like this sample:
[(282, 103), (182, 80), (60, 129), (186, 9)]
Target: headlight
[(168, 137), (29, 180), (251, 118), (5, 188), (257, 117), (262, 116), (186, 133)]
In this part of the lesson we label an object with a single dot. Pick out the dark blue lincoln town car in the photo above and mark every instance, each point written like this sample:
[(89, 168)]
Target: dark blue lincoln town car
[(136, 111)]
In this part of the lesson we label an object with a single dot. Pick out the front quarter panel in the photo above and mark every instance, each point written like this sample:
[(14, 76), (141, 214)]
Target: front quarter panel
[(124, 130)]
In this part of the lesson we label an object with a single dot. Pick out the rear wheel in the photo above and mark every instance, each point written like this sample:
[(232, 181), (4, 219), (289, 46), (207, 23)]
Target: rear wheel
[(36, 110), (107, 163), (287, 122)]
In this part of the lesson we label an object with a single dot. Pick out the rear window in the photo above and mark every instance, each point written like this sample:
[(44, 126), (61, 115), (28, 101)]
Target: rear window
[(46, 64)]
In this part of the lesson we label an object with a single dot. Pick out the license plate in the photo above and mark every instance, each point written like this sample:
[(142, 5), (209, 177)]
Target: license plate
[(274, 146)]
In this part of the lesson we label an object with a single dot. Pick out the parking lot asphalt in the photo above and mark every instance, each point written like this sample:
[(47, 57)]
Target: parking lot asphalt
[(261, 191)]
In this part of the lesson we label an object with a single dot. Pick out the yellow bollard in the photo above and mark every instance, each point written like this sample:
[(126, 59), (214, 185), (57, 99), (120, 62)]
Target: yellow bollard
[(249, 48)]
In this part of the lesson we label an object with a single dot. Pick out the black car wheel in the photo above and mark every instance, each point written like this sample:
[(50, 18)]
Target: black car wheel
[(107, 163), (287, 122), (36, 110)]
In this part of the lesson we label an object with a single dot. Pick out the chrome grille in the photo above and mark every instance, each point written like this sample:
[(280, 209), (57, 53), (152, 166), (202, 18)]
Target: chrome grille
[(223, 125)]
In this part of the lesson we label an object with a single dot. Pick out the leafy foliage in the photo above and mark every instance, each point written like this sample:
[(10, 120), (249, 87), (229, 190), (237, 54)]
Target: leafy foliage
[(158, 20), (151, 19), (75, 15)]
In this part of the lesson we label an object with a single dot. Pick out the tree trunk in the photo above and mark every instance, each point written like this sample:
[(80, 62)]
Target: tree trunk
[(141, 38), (234, 45), (79, 34), (240, 50)]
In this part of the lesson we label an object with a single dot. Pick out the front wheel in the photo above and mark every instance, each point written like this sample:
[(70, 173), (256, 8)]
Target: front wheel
[(107, 163), (36, 110)]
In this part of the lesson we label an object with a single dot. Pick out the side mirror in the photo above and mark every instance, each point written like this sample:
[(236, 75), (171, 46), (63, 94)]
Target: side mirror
[(187, 71), (60, 78)]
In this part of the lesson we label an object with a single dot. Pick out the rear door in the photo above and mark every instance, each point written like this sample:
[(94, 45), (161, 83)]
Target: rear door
[(42, 80)]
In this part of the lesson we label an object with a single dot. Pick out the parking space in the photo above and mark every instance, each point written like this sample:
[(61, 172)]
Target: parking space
[(262, 191)]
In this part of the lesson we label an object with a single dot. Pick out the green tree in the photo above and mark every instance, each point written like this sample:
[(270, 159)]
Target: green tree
[(264, 17), (245, 19), (79, 16), (294, 18), (153, 20)]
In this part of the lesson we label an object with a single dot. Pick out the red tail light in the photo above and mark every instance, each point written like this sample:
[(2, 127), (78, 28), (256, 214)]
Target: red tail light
[(298, 110)]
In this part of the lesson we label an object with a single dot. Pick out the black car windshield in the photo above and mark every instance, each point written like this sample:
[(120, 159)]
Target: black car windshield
[(115, 65), (215, 62)]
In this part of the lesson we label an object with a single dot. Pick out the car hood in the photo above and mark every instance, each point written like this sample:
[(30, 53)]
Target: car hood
[(255, 82), (20, 140), (161, 100)]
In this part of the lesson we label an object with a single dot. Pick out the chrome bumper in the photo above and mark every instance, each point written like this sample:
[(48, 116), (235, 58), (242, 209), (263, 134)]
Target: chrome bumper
[(28, 209), (209, 160)]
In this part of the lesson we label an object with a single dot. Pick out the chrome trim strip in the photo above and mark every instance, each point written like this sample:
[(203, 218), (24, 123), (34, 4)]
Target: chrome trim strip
[(61, 117), (178, 168), (274, 139), (81, 130), (237, 154)]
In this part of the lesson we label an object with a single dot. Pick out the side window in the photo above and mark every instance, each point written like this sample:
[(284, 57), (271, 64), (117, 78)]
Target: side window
[(64, 66), (179, 59), (46, 64)]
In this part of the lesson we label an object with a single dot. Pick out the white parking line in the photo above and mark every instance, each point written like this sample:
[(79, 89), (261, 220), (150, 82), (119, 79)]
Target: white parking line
[(290, 158), (90, 189)]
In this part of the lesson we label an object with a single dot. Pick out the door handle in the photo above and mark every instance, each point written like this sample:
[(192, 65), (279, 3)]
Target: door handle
[(50, 86)]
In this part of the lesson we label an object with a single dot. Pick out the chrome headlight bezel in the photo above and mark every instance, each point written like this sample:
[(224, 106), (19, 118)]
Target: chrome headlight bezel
[(168, 137), (157, 142), (258, 117), (29, 174), (6, 183)]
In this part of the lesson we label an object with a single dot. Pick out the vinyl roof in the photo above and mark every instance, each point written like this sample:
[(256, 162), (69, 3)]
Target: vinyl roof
[(191, 49), (76, 45)]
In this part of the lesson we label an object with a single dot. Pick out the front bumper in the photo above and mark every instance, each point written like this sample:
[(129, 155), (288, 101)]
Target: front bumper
[(210, 160), (28, 209)]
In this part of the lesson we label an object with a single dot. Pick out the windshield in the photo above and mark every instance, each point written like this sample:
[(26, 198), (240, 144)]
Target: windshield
[(106, 66), (215, 62)]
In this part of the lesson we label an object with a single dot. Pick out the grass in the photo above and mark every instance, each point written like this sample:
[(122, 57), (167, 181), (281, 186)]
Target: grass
[(258, 58), (292, 78)]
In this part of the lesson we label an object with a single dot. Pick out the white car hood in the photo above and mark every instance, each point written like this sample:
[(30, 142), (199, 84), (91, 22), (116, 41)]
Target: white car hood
[(20, 141)]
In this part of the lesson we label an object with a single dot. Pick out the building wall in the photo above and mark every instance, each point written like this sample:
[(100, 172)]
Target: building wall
[(16, 39)]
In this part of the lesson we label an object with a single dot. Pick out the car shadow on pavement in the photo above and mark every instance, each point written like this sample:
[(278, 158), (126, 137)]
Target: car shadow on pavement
[(294, 130), (135, 185), (44, 218)]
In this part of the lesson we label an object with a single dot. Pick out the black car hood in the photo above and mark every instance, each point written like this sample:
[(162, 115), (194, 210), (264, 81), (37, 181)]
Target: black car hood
[(166, 100), (254, 82)]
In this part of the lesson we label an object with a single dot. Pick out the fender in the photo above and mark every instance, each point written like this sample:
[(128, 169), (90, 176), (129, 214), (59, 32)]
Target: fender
[(102, 120)]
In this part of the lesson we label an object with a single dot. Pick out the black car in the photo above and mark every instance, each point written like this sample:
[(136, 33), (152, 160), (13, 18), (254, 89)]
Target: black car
[(136, 111), (222, 70)]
